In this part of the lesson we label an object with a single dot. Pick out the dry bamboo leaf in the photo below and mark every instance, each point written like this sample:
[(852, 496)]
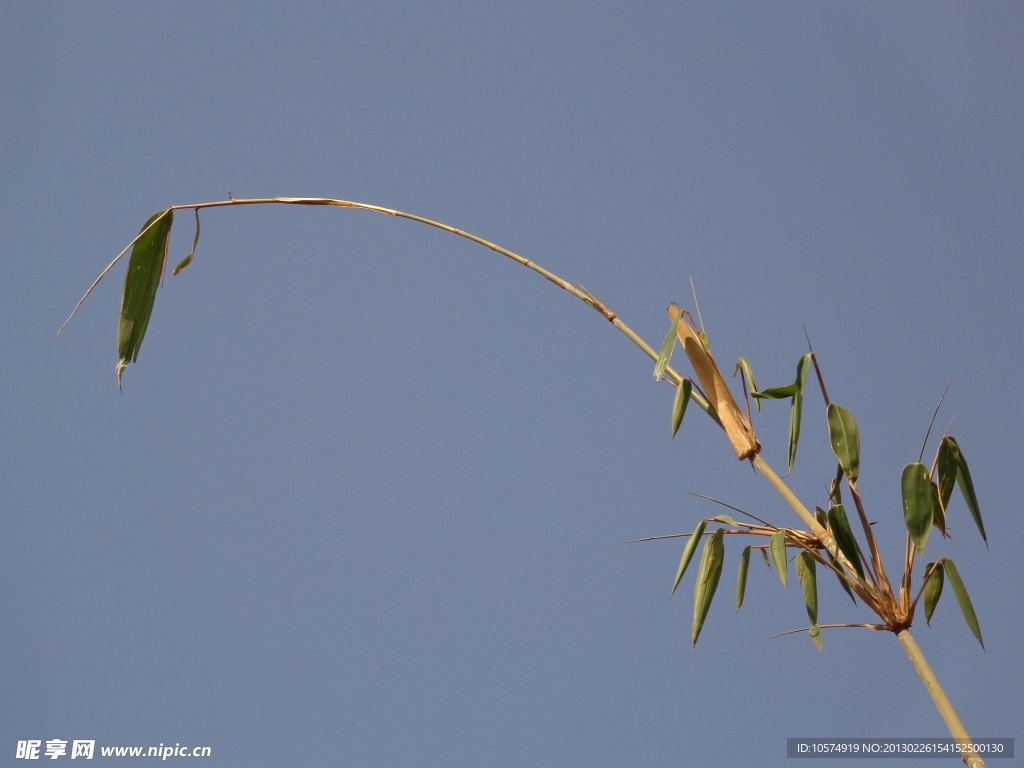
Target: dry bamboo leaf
[(735, 423)]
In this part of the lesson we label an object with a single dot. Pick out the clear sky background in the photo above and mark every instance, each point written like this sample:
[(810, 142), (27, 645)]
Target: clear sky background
[(360, 501)]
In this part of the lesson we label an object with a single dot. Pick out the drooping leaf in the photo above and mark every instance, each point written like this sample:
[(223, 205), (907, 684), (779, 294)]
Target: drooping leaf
[(667, 348), (796, 409), (734, 421), (741, 579), (946, 463), (708, 575), (917, 503), (776, 393), (679, 403), (777, 547), (748, 372), (806, 570), (843, 535), (815, 633), (938, 514), (845, 439), (143, 277), (188, 259), (963, 479), (724, 519), (764, 556), (962, 597), (688, 550), (933, 574)]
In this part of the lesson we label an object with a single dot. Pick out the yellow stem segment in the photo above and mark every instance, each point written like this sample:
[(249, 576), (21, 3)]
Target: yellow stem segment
[(931, 682)]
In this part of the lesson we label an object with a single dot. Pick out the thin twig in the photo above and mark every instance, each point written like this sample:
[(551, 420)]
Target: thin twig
[(879, 627), (932, 422), (104, 273), (730, 506), (817, 370)]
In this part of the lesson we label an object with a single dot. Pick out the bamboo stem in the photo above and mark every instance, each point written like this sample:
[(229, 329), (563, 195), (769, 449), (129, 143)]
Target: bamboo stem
[(942, 703)]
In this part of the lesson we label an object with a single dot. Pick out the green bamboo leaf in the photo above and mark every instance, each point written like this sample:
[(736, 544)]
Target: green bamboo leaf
[(796, 409), (947, 462), (777, 547), (821, 516), (963, 479), (845, 439), (748, 372), (724, 519), (938, 514), (933, 574), (143, 277), (917, 503), (962, 597), (764, 556), (667, 348), (815, 633), (776, 393), (708, 575), (741, 579), (844, 537), (188, 259), (679, 404), (806, 570), (688, 550)]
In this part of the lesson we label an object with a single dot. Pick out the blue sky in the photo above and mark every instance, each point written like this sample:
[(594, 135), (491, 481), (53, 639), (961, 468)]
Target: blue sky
[(360, 501)]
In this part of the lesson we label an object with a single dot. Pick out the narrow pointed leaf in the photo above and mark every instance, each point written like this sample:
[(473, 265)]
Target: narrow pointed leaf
[(679, 403), (806, 569), (143, 277), (845, 439), (710, 572), (777, 547), (741, 579), (917, 503), (932, 588), (962, 597), (764, 556), (843, 535), (946, 463), (724, 519), (963, 479), (748, 372), (938, 514), (188, 259), (775, 393), (688, 550), (796, 409), (667, 348), (821, 516), (815, 633)]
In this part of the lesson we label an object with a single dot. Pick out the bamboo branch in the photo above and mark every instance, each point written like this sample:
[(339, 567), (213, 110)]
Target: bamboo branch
[(945, 707), (867, 591)]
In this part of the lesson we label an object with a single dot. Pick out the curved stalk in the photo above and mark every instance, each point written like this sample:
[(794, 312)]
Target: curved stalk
[(942, 703), (576, 290)]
